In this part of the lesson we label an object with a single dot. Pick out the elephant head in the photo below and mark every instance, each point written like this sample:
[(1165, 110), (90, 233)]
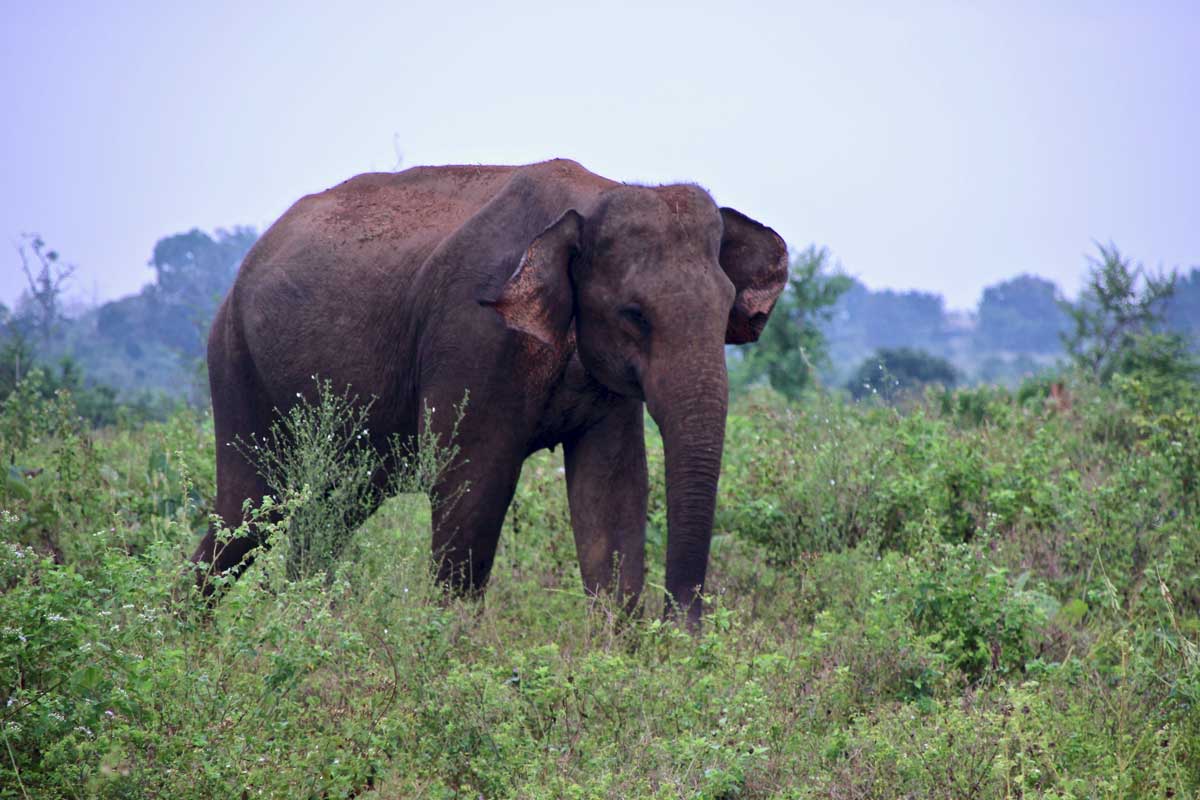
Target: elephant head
[(655, 282)]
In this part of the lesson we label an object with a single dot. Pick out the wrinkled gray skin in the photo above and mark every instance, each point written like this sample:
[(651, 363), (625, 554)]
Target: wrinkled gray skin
[(561, 300)]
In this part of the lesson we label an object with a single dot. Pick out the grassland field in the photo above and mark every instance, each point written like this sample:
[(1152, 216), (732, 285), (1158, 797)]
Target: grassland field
[(979, 594)]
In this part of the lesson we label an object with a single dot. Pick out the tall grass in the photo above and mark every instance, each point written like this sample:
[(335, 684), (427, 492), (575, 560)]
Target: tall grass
[(983, 595)]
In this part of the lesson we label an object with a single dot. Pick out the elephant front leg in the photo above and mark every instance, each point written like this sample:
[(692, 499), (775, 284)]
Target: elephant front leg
[(607, 487)]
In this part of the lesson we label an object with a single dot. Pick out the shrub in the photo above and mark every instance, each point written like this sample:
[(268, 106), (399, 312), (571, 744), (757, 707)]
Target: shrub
[(892, 374), (1118, 318), (320, 454)]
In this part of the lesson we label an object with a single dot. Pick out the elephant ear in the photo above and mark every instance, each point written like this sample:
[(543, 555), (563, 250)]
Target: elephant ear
[(537, 299), (755, 259)]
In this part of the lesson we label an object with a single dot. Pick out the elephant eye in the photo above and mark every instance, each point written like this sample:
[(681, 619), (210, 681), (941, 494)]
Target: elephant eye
[(634, 316)]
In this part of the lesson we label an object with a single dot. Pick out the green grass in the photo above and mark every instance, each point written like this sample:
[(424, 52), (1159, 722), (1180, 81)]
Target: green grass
[(982, 595)]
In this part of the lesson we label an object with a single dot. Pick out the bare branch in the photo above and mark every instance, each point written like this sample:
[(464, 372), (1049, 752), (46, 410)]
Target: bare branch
[(46, 279)]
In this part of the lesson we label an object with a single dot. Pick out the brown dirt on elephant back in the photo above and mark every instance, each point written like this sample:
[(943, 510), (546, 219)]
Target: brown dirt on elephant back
[(396, 205)]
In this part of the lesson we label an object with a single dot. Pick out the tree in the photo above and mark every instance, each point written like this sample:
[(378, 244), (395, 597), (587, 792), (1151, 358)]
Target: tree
[(1122, 304), (862, 321), (16, 354), (1023, 314), (193, 268), (891, 373), (904, 319), (41, 307), (1183, 309), (792, 345), (193, 271)]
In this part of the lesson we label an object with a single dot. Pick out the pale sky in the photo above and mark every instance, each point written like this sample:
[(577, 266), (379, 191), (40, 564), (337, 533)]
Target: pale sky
[(935, 146)]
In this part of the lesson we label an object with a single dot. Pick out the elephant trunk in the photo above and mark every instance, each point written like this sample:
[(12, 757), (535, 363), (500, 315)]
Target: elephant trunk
[(690, 407)]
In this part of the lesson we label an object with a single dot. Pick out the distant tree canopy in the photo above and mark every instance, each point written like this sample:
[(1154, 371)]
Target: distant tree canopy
[(152, 341), (1121, 324), (1182, 313), (1121, 304), (917, 315), (193, 271), (891, 373), (889, 317), (863, 321), (1021, 315)]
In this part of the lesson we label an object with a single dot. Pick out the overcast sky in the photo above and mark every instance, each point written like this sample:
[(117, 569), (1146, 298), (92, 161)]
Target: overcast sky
[(935, 146)]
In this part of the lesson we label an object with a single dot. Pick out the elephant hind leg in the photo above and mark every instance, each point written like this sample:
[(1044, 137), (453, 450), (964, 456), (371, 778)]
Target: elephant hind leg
[(471, 497), (240, 410), (466, 529), (237, 482)]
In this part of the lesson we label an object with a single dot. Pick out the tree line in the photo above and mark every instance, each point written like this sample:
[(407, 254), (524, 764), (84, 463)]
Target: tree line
[(829, 329), (143, 352)]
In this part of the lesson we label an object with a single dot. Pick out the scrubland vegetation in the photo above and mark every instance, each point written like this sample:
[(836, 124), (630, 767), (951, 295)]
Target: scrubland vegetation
[(979, 593), (922, 593)]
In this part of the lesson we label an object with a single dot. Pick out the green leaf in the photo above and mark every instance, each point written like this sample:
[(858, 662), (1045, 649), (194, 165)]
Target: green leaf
[(1072, 612), (15, 484)]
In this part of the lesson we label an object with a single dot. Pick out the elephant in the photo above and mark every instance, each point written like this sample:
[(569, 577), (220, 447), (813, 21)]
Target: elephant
[(563, 302)]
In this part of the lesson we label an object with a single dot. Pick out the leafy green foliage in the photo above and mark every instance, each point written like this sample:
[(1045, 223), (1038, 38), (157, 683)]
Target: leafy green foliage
[(971, 614), (320, 454), (890, 374), (22, 376), (1121, 304), (987, 594)]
